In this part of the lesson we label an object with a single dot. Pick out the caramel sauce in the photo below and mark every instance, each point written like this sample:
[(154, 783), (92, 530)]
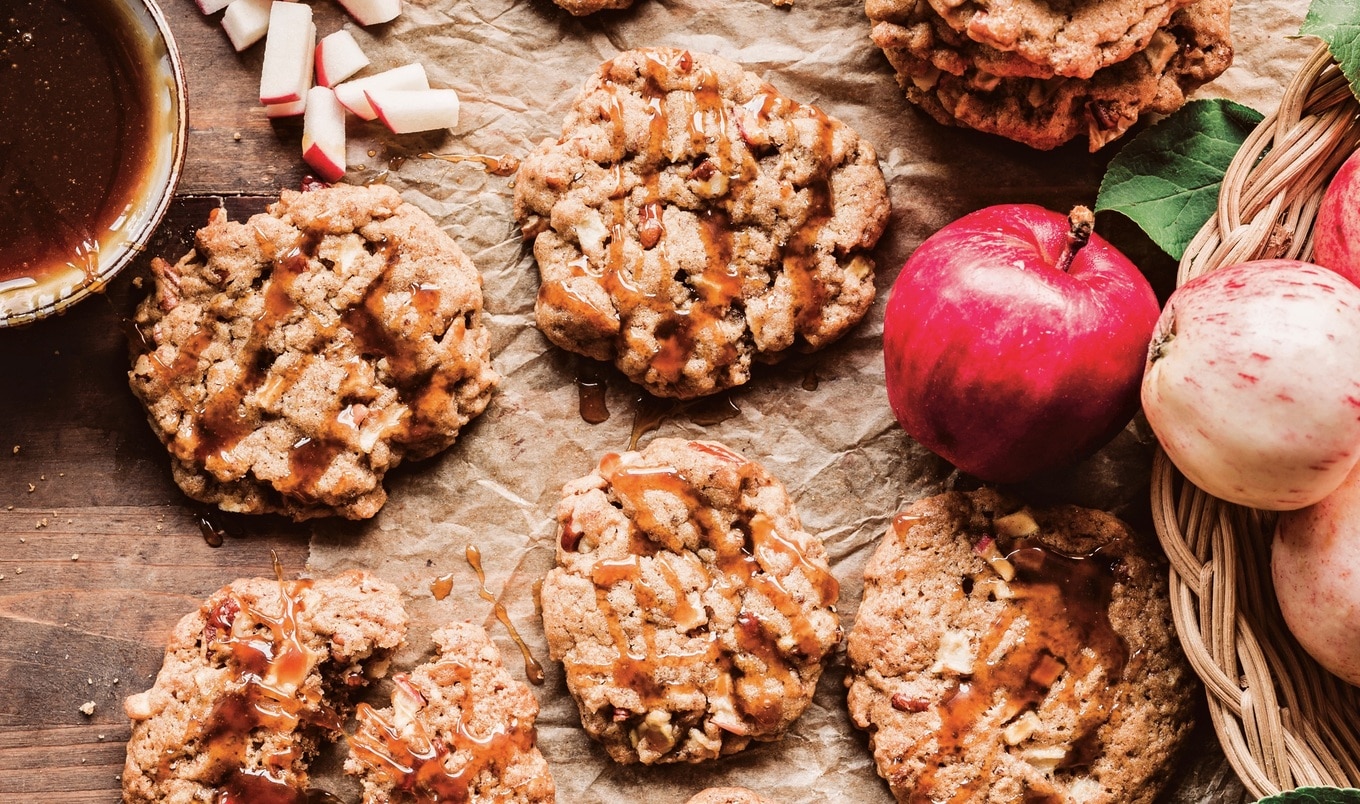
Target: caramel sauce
[(720, 169), (210, 528), (591, 388), (417, 762), (495, 165), (650, 412), (442, 586), (532, 669), (1064, 602), (75, 138), (642, 665)]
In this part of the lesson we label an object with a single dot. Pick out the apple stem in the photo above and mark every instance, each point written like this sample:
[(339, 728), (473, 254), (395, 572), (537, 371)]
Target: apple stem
[(1081, 221)]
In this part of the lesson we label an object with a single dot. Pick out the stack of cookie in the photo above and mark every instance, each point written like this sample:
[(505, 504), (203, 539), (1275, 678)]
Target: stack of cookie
[(1044, 72)]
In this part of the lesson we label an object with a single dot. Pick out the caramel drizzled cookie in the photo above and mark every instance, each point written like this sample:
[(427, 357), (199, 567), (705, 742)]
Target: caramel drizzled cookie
[(289, 361), (691, 219), (460, 729), (1003, 653), (252, 683), (689, 609)]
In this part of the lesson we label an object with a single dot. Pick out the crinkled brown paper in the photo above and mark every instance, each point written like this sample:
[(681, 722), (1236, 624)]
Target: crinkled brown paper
[(820, 423)]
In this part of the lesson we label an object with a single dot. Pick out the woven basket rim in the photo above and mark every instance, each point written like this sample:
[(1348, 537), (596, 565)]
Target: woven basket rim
[(1282, 720)]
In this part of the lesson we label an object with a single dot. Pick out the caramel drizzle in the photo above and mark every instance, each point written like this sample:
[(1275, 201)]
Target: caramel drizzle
[(532, 669), (1065, 602), (269, 669), (228, 417), (495, 165), (439, 767), (641, 664), (718, 286)]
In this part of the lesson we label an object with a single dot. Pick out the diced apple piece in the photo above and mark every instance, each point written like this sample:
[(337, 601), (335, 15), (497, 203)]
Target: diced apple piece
[(285, 109), (211, 6), (406, 111), (289, 48), (246, 22), (323, 134), (338, 57), (351, 93), (372, 12)]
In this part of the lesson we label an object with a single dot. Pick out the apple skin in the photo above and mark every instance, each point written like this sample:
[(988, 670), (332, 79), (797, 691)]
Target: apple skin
[(1001, 362), (1252, 385), (1315, 563), (1336, 231)]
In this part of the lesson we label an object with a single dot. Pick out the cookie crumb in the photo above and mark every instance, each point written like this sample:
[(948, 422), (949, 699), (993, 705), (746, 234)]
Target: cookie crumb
[(75, 556), (15, 451), (32, 488), (87, 708)]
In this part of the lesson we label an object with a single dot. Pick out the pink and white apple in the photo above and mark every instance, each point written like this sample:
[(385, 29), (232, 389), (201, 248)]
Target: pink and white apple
[(351, 93), (1336, 230), (338, 57), (406, 111), (211, 6), (289, 53), (372, 12), (293, 109), (1315, 563), (246, 22), (1014, 341), (1252, 383), (323, 134)]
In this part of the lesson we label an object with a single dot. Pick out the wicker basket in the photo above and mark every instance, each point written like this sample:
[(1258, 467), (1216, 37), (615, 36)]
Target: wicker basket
[(1283, 721)]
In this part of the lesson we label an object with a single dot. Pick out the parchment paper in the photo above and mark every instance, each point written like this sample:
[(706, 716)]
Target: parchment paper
[(821, 423)]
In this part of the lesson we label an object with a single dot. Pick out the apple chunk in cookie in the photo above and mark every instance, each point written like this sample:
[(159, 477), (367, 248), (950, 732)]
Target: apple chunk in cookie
[(688, 607)]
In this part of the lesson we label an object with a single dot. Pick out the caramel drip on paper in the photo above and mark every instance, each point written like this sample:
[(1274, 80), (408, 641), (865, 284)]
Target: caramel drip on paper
[(532, 668)]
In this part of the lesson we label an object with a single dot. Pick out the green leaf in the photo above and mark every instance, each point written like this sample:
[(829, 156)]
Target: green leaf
[(1166, 179), (1337, 22), (1315, 795)]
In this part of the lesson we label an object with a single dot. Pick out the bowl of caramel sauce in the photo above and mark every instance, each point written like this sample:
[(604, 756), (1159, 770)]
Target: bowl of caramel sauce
[(92, 138)]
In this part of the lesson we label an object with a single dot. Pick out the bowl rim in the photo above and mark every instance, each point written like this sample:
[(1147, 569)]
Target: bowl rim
[(137, 243)]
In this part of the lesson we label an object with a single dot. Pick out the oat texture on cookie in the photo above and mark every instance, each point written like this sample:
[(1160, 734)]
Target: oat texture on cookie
[(689, 609), (1009, 653), (690, 219), (1087, 72), (252, 683), (460, 729), (290, 360)]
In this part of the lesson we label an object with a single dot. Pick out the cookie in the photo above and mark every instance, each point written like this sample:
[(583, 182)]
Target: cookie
[(460, 729), (1069, 37), (1193, 49), (691, 219), (729, 795), (251, 684), (689, 609), (1007, 653), (290, 361)]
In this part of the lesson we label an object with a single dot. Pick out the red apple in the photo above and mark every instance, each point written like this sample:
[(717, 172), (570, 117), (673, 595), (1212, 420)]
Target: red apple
[(246, 22), (351, 93), (1315, 563), (1336, 232), (1014, 341), (338, 57), (323, 134), (406, 111)]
